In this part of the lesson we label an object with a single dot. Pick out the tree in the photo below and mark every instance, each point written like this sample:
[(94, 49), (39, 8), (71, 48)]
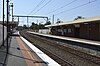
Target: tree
[(34, 26), (79, 17), (24, 26), (41, 26), (33, 23), (47, 23), (59, 21)]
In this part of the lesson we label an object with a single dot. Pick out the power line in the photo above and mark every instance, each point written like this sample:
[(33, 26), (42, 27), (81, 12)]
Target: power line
[(43, 6), (40, 3), (62, 6), (76, 7)]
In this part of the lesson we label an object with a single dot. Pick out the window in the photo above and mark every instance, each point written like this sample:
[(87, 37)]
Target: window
[(69, 30), (65, 30)]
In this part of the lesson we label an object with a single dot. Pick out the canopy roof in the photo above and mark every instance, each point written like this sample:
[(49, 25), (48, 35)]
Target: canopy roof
[(93, 19)]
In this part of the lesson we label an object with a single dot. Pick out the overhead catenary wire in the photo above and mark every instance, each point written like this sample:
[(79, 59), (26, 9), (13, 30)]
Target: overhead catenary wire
[(43, 6), (39, 4), (76, 7), (62, 6)]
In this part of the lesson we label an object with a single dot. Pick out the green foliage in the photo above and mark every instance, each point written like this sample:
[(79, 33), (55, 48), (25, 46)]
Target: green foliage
[(40, 26), (34, 26), (24, 27), (47, 23), (79, 17)]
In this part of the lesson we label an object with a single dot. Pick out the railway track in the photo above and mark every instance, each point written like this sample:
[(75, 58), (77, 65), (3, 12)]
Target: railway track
[(57, 58), (62, 54)]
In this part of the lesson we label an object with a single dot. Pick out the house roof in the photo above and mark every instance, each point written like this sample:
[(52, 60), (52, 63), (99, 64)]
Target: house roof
[(93, 19)]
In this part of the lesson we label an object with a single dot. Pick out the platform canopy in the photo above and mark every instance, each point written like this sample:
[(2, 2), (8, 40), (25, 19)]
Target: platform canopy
[(93, 19)]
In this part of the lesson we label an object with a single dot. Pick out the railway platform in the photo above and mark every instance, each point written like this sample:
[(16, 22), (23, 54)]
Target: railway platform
[(19, 54), (88, 46), (23, 53), (97, 43)]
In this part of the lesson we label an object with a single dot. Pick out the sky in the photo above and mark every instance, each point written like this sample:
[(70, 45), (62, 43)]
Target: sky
[(65, 10)]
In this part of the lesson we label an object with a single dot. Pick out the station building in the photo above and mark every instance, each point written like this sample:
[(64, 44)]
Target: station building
[(88, 28)]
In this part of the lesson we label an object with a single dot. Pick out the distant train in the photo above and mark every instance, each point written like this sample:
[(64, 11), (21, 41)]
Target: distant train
[(81, 28)]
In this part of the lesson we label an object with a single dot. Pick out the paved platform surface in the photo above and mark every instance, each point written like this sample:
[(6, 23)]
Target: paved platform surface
[(16, 57), (90, 42), (19, 54), (2, 55)]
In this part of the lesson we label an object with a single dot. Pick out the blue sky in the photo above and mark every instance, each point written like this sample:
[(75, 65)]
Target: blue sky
[(24, 7)]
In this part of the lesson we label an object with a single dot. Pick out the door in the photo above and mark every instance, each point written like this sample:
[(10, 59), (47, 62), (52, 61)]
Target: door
[(77, 32)]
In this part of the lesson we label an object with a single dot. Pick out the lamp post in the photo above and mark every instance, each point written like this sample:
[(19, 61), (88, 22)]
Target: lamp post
[(12, 17), (7, 24), (12, 10), (3, 25)]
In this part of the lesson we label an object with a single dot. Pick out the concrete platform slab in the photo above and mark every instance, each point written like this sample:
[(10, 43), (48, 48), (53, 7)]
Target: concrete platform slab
[(15, 58)]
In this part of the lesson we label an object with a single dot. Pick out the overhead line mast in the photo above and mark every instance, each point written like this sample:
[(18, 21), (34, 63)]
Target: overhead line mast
[(30, 16)]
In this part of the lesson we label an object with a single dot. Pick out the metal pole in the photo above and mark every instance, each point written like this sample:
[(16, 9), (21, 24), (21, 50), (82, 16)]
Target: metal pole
[(3, 25), (12, 11), (37, 21), (7, 23), (47, 19), (12, 18), (27, 23), (18, 20), (53, 19)]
